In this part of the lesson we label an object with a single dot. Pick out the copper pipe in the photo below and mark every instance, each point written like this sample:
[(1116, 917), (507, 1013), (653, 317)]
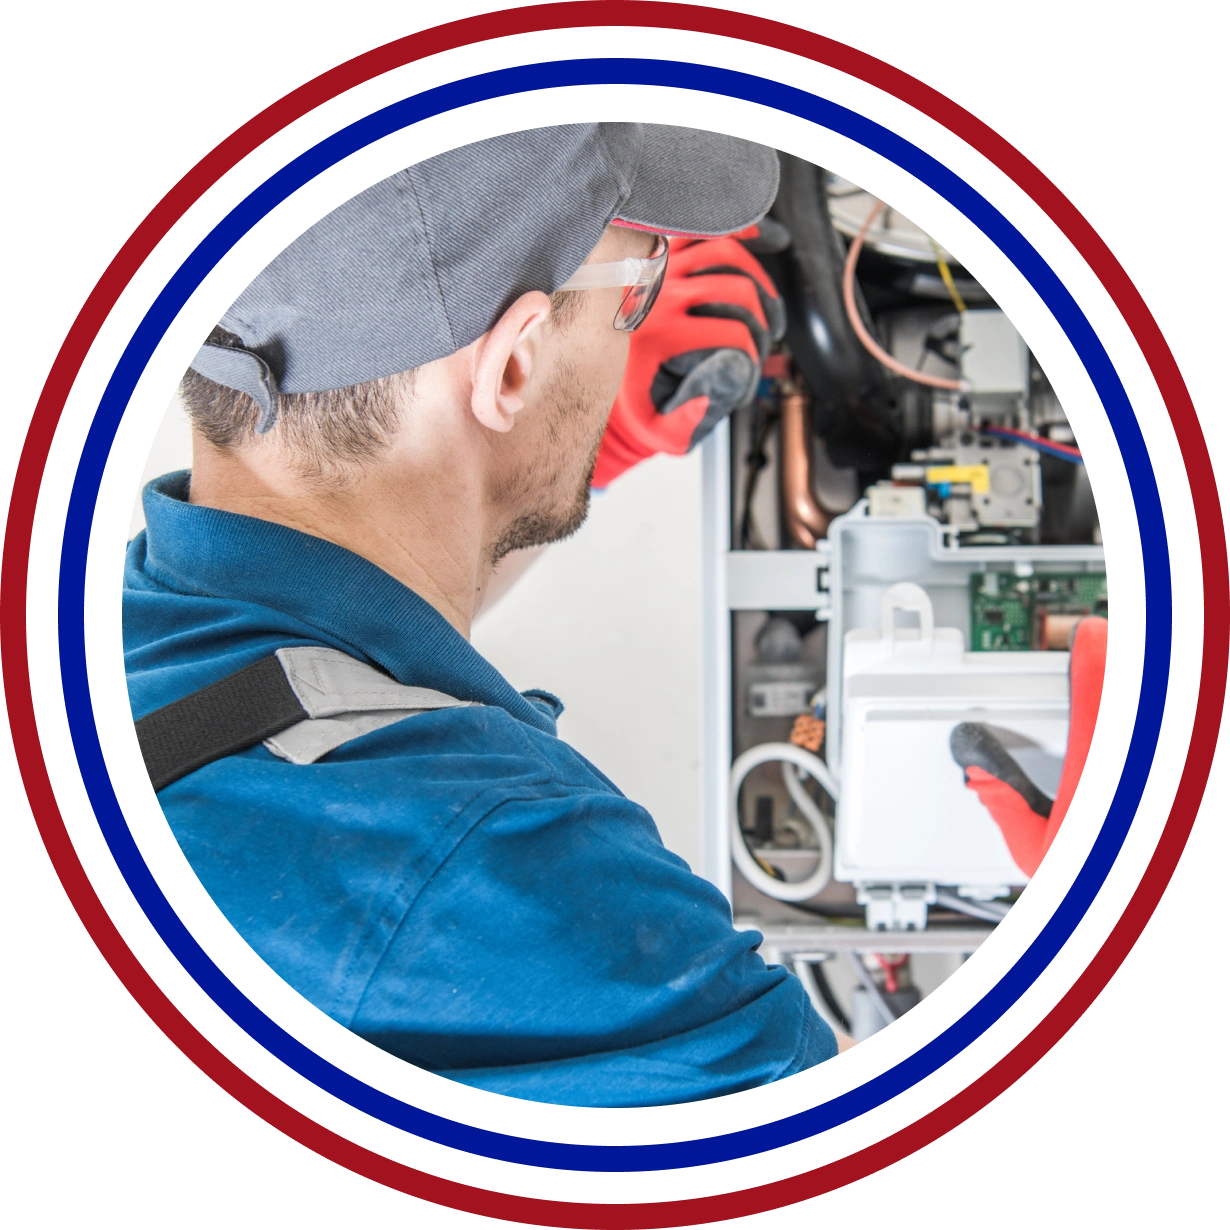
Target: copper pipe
[(804, 519)]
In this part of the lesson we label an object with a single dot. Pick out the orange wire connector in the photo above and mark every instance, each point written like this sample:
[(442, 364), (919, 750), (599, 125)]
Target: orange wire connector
[(808, 732)]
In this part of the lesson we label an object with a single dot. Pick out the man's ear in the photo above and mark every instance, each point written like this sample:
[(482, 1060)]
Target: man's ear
[(504, 361)]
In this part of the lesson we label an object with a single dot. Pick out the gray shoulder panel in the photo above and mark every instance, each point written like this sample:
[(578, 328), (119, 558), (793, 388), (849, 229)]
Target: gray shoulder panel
[(344, 699), (328, 682)]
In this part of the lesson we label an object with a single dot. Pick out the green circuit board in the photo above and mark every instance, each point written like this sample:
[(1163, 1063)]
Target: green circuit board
[(1010, 612)]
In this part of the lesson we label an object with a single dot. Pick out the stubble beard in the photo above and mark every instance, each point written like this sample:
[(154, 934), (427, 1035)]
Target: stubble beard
[(572, 411)]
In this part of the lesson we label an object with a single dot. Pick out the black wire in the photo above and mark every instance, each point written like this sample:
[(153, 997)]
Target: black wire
[(831, 911), (830, 1000), (937, 919), (757, 460)]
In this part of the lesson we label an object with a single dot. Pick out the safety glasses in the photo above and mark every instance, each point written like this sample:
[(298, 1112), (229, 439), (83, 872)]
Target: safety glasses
[(641, 274)]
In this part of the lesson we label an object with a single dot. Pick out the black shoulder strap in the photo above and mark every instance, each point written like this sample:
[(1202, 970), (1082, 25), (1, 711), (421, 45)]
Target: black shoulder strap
[(226, 717), (302, 702)]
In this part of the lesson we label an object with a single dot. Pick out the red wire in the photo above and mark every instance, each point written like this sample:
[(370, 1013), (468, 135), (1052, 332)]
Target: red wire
[(890, 969), (1070, 449)]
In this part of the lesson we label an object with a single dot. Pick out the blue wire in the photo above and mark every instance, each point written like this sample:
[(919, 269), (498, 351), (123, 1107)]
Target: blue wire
[(1041, 445)]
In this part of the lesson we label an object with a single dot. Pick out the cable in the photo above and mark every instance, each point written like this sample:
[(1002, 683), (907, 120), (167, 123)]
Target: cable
[(757, 460), (890, 968), (860, 329), (843, 915), (873, 991), (946, 274), (826, 994), (793, 779), (986, 911), (1065, 452), (745, 860), (838, 913)]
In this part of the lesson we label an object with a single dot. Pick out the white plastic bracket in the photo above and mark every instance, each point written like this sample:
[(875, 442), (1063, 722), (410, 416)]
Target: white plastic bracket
[(896, 907), (906, 596)]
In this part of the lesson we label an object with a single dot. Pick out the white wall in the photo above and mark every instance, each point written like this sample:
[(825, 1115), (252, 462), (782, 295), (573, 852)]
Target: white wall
[(610, 622), (171, 450)]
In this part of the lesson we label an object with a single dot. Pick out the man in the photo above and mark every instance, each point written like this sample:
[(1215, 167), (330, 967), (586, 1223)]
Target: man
[(416, 387)]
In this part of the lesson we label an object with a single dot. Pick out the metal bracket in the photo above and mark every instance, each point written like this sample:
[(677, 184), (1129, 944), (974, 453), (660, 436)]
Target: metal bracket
[(779, 580)]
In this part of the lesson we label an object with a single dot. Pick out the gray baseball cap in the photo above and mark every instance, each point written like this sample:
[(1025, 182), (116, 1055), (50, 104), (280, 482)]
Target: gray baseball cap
[(425, 262)]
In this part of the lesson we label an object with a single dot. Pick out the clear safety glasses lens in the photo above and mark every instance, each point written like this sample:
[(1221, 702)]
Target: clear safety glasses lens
[(642, 296)]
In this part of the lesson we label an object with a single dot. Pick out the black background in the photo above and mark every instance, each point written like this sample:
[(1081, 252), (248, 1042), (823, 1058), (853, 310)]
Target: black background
[(108, 1114)]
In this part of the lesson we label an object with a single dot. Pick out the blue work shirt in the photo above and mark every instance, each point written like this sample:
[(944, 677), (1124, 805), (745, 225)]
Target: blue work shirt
[(461, 888)]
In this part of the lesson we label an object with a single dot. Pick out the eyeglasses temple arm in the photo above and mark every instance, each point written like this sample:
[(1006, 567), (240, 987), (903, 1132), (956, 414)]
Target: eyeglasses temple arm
[(631, 271)]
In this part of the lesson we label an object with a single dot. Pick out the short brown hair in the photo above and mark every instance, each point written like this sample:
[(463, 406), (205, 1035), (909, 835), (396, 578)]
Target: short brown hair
[(324, 432)]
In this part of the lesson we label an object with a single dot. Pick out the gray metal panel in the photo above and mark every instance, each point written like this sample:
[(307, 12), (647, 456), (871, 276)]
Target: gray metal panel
[(798, 942), (715, 663), (778, 580)]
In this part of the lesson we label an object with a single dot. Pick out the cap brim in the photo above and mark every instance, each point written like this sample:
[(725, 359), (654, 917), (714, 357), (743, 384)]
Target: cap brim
[(693, 182)]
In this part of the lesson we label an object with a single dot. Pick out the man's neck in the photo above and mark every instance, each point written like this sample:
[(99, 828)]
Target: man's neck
[(421, 529)]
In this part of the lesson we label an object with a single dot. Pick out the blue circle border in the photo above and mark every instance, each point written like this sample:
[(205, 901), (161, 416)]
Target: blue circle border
[(675, 1154)]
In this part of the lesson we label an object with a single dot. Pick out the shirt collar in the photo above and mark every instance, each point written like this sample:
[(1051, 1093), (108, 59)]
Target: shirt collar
[(208, 552)]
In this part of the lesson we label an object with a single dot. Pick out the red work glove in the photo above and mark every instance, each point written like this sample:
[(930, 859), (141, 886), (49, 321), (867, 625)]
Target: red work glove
[(699, 354), (1026, 817)]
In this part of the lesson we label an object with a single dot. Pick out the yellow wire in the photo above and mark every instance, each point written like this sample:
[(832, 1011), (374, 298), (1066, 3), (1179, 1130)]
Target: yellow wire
[(765, 867), (946, 274)]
